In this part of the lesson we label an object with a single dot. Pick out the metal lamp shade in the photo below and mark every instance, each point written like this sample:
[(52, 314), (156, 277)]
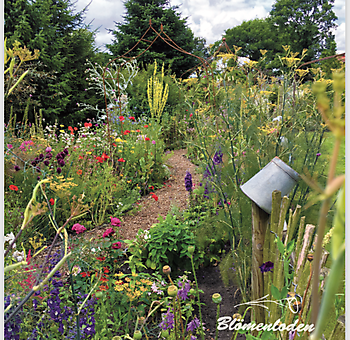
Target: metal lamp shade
[(276, 175)]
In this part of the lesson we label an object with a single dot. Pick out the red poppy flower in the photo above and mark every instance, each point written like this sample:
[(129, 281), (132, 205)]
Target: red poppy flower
[(87, 124), (146, 138), (81, 157), (121, 118), (155, 197), (126, 132), (102, 258), (105, 157), (13, 187), (75, 128), (105, 270), (138, 130), (132, 118), (99, 159), (70, 128), (151, 187), (191, 114), (83, 274), (114, 144), (121, 160), (146, 126), (52, 201)]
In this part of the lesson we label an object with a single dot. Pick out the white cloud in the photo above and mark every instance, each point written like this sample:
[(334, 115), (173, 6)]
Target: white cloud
[(207, 18), (340, 38)]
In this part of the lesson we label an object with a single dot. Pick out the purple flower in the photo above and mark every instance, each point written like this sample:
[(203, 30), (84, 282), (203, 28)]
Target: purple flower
[(17, 168), (9, 146), (266, 267), (188, 181), (61, 162), (153, 142), (318, 154), (48, 149), (185, 288), (47, 163), (59, 170), (217, 159), (193, 325), (168, 321)]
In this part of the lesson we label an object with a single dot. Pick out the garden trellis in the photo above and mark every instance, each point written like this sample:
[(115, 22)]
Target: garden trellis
[(167, 40)]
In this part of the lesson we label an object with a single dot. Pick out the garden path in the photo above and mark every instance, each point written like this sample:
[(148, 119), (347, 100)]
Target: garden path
[(173, 193)]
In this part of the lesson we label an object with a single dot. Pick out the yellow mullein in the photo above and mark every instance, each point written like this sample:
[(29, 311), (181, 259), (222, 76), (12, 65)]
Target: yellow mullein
[(157, 95)]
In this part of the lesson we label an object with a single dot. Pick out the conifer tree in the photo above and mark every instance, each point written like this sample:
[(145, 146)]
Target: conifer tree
[(136, 22)]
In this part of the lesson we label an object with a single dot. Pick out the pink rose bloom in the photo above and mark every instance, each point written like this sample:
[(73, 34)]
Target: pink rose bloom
[(115, 221), (108, 232), (78, 228), (116, 245)]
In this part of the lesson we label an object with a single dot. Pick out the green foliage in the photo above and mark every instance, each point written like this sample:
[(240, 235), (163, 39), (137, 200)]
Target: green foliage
[(166, 243), (304, 24), (64, 42), (253, 36), (136, 22)]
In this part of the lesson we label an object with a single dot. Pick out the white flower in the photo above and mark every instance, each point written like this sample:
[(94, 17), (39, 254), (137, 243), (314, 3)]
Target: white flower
[(9, 237), (76, 270), (18, 255)]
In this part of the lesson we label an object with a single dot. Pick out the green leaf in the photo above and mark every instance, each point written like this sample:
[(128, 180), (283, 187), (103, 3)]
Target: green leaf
[(275, 292), (284, 292), (280, 246), (290, 246)]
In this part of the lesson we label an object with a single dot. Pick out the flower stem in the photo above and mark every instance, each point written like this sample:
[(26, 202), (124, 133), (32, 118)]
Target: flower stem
[(199, 302)]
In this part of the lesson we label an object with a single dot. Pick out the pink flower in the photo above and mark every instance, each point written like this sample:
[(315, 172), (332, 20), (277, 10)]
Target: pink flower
[(79, 229), (115, 221), (116, 245), (153, 142), (108, 232)]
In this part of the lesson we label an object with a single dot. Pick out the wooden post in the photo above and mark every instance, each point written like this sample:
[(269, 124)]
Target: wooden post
[(259, 225)]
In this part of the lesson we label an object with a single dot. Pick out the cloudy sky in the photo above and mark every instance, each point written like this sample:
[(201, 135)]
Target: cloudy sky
[(207, 18)]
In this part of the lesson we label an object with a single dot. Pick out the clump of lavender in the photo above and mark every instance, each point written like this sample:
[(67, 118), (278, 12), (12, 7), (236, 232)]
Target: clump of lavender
[(12, 329), (188, 181)]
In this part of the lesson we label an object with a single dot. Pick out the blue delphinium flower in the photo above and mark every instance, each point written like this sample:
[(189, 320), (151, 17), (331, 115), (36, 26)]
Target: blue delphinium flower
[(188, 181), (217, 159)]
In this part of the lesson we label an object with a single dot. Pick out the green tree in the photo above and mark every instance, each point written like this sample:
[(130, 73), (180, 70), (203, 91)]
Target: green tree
[(253, 36), (136, 22), (304, 24), (64, 41)]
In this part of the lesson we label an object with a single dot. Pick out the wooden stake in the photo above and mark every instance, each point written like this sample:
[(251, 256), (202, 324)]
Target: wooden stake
[(259, 225)]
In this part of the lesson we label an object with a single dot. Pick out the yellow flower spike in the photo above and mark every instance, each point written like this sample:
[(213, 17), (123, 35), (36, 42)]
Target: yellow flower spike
[(286, 47)]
